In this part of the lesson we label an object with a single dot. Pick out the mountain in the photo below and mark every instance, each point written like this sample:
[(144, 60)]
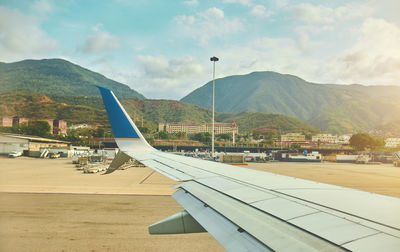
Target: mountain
[(334, 108), (91, 110), (57, 77)]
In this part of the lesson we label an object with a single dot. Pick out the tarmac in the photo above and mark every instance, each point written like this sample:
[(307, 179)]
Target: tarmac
[(48, 205)]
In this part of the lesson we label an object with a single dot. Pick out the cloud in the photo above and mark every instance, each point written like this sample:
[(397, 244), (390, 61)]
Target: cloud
[(313, 14), (21, 37), (242, 2), (167, 78), (319, 14), (264, 54), (43, 6), (372, 56), (101, 41), (280, 3), (191, 2), (211, 13), (373, 59), (260, 11), (205, 25)]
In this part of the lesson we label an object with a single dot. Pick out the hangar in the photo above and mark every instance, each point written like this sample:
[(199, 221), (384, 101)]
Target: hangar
[(29, 145)]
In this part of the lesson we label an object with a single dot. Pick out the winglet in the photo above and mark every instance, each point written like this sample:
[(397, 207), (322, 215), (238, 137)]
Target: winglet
[(122, 125)]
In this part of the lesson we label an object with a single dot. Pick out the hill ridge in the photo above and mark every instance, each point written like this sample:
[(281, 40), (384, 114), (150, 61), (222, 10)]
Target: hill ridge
[(58, 77), (331, 107)]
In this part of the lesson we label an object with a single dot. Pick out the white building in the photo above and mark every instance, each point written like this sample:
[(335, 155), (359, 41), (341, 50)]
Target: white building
[(324, 138), (392, 142), (192, 128), (343, 139)]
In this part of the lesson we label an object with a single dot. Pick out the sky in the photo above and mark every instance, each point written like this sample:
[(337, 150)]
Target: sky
[(162, 49)]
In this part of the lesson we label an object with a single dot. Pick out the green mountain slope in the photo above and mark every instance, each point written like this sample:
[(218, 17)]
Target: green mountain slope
[(91, 110), (335, 108), (57, 77)]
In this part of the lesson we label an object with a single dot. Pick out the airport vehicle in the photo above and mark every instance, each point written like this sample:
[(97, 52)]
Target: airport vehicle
[(15, 154), (306, 157), (249, 210)]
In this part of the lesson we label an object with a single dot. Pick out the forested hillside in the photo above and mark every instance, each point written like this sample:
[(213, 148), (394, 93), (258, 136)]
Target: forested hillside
[(57, 77), (334, 108), (150, 112)]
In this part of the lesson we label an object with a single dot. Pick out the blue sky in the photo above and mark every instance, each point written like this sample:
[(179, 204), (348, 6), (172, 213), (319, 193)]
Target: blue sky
[(162, 48)]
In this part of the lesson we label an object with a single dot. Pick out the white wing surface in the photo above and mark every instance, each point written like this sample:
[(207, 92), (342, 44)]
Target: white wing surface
[(249, 210)]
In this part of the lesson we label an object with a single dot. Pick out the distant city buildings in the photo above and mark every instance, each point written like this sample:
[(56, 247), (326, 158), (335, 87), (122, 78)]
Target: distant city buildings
[(392, 142), (57, 127), (193, 128), (324, 138), (290, 137)]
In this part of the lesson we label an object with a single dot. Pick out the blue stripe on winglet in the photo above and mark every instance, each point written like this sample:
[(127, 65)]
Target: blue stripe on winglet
[(120, 122)]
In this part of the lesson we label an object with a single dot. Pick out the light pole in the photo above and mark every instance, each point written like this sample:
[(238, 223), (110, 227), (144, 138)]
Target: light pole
[(213, 59)]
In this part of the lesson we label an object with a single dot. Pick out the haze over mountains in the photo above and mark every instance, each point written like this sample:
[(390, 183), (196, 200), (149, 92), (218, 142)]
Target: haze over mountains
[(334, 108)]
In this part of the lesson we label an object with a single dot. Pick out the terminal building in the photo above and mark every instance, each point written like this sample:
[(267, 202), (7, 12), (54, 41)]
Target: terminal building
[(193, 128), (28, 145)]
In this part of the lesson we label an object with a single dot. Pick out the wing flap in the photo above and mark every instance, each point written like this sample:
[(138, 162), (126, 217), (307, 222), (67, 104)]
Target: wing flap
[(277, 234), (329, 224), (229, 235)]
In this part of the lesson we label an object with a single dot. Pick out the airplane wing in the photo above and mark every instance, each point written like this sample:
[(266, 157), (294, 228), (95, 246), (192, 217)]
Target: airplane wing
[(249, 210)]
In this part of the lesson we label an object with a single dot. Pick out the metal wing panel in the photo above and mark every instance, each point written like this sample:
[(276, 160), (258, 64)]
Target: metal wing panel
[(284, 208), (223, 230), (167, 170), (379, 242), (384, 209), (370, 206), (327, 223), (288, 198), (333, 228), (196, 172), (274, 232)]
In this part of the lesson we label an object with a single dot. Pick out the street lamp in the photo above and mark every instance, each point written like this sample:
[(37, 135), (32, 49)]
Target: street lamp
[(213, 59)]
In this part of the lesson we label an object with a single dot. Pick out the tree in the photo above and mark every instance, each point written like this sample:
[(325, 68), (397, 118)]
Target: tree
[(361, 141), (267, 134), (295, 146), (224, 136), (180, 135), (99, 132), (144, 129), (204, 137), (36, 128), (163, 135)]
